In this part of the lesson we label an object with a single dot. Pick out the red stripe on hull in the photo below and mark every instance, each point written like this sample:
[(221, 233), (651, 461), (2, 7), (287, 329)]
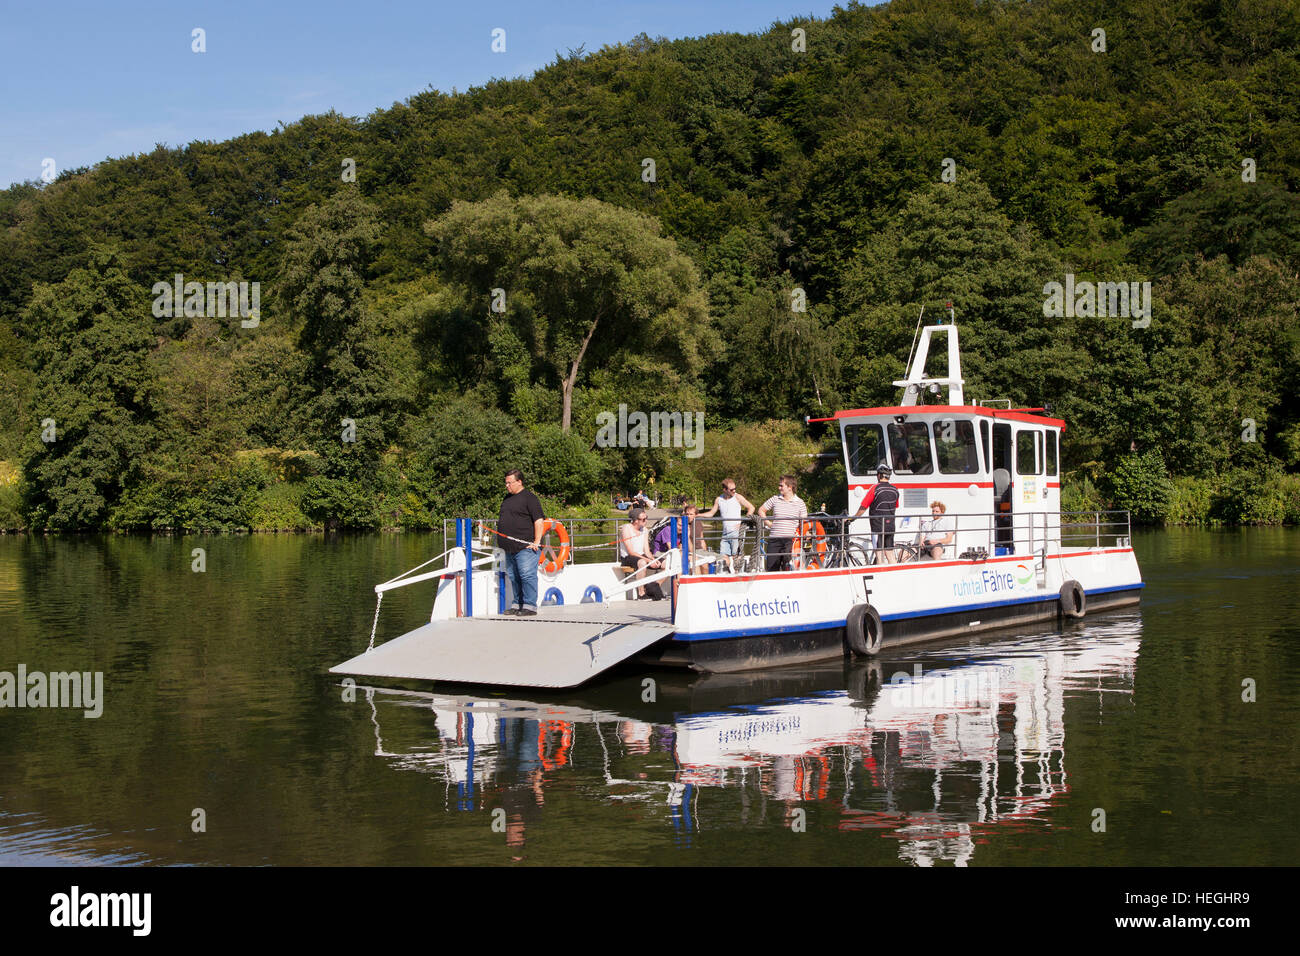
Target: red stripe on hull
[(884, 568)]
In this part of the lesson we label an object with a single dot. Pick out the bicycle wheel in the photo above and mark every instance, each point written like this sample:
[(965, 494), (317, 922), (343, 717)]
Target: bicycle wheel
[(854, 556), (908, 553)]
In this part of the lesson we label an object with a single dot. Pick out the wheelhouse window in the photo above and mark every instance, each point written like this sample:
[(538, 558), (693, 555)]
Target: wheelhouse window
[(909, 446), (954, 445), (865, 445), (1029, 452), (1052, 436)]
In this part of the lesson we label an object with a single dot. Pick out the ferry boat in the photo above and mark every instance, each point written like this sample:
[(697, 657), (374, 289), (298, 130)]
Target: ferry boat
[(1014, 560)]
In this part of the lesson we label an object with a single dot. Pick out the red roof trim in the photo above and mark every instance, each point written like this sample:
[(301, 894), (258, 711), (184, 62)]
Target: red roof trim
[(698, 579), (1020, 415), (923, 484)]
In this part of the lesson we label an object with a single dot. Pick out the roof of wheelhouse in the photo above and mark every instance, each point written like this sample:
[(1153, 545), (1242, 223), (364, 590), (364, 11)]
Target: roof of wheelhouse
[(917, 384), (1009, 414)]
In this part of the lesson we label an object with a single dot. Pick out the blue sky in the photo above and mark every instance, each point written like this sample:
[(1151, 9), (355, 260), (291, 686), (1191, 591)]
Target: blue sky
[(87, 80)]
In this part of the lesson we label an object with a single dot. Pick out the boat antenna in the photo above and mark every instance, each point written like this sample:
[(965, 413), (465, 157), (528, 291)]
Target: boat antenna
[(912, 350)]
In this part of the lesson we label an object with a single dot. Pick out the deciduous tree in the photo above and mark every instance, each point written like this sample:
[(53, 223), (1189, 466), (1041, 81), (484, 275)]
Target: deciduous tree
[(580, 281)]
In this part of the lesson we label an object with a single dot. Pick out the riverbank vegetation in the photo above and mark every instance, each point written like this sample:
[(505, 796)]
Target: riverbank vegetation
[(730, 225)]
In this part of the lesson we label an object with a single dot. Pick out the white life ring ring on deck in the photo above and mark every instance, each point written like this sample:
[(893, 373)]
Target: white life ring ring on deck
[(557, 560), (1074, 601), (864, 632)]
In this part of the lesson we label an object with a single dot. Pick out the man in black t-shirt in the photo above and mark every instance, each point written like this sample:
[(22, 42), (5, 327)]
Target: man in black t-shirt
[(521, 518), (881, 502)]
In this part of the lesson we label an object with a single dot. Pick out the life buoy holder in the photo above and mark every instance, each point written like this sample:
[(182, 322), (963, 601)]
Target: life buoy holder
[(556, 560), (1074, 601), (864, 632), (816, 556)]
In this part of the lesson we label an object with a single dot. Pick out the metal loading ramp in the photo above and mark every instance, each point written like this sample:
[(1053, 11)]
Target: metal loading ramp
[(561, 647)]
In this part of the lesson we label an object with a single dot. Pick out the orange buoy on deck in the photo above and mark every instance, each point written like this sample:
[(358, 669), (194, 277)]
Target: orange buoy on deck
[(556, 560)]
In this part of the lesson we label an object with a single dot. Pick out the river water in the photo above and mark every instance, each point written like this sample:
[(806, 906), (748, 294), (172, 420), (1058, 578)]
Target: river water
[(1162, 735)]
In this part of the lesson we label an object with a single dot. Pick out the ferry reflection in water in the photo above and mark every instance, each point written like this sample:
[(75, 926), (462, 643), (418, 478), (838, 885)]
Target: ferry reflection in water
[(940, 752)]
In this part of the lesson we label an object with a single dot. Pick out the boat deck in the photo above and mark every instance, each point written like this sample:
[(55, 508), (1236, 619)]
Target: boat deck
[(562, 646), (615, 612)]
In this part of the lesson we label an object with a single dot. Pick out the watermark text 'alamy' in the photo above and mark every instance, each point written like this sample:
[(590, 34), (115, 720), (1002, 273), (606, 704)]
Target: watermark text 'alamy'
[(81, 690), (1099, 299), (653, 430), (216, 300)]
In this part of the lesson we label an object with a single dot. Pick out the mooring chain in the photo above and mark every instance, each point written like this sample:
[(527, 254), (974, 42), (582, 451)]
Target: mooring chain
[(375, 626)]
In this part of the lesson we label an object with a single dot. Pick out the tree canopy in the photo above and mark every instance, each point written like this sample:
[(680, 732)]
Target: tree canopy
[(563, 282), (730, 224)]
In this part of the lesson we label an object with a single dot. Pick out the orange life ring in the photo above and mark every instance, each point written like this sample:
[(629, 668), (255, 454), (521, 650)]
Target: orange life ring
[(546, 729), (817, 547), (557, 560)]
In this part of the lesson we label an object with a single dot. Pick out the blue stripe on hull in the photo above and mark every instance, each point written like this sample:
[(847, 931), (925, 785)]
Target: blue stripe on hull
[(761, 648)]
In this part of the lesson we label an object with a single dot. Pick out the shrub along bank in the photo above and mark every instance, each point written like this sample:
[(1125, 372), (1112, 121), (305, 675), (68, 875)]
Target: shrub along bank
[(276, 490)]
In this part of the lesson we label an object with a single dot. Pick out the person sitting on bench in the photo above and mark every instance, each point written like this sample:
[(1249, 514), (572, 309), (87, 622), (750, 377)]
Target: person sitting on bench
[(634, 553), (936, 532)]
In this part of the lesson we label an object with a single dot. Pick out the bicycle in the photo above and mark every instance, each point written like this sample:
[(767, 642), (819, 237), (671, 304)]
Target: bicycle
[(902, 552), (909, 552), (840, 551)]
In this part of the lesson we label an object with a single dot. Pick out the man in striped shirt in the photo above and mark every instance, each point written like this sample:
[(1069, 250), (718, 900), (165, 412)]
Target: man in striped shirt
[(788, 510)]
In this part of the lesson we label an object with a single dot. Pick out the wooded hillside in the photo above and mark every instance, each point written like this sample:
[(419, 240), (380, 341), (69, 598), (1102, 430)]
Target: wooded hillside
[(422, 320)]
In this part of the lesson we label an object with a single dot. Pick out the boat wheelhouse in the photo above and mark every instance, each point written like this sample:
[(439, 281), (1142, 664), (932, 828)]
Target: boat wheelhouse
[(1014, 559), (976, 460)]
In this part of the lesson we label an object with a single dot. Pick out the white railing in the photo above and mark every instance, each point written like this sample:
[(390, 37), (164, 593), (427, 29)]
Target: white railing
[(595, 540), (455, 565)]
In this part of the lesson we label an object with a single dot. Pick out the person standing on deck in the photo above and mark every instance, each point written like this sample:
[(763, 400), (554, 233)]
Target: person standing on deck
[(521, 519), (728, 505), (788, 510), (881, 501)]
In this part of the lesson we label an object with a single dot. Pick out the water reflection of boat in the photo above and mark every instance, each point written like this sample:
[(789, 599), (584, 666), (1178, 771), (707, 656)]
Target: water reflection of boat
[(937, 752)]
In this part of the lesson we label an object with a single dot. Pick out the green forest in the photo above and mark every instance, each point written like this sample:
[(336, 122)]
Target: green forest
[(743, 225)]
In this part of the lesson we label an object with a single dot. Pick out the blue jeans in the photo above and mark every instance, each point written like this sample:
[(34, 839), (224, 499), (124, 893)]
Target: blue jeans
[(522, 568)]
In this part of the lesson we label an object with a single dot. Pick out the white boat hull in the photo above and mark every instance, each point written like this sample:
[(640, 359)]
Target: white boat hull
[(741, 622)]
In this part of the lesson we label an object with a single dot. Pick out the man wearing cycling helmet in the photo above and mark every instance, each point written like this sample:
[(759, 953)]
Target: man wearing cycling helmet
[(881, 502)]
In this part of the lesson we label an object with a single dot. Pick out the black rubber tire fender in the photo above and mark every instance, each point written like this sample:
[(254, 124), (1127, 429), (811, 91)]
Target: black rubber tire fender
[(1074, 601), (863, 630)]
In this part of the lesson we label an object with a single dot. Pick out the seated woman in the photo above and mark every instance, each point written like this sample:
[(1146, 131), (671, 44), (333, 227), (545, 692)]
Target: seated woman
[(936, 532), (663, 540)]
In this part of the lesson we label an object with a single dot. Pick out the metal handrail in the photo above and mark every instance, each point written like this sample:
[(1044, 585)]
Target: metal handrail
[(595, 540), (401, 582)]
